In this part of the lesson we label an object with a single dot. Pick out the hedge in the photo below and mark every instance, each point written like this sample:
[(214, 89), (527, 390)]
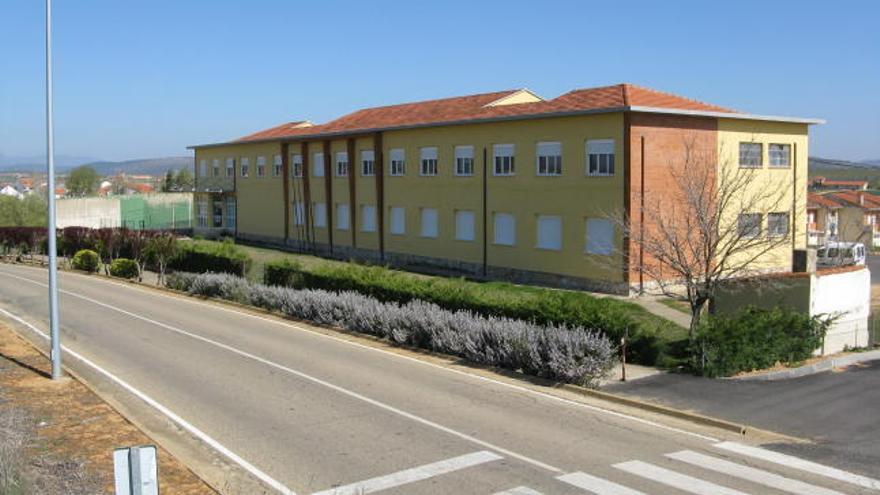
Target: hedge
[(755, 339), (124, 268), (538, 305), (85, 260), (569, 354), (204, 257)]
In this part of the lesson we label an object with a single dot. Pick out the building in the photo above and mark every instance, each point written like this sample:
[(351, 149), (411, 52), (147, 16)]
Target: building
[(823, 184), (845, 216), (503, 185)]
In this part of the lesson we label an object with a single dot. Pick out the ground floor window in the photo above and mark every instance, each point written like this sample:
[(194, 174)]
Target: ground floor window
[(217, 210), (230, 213), (202, 213)]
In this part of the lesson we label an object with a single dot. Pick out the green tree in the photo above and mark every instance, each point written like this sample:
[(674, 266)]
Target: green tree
[(27, 212), (82, 181), (168, 183), (183, 181)]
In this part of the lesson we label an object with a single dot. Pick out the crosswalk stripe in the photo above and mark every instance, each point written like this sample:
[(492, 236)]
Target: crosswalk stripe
[(596, 485), (520, 490), (413, 474), (751, 474), (680, 481), (800, 464)]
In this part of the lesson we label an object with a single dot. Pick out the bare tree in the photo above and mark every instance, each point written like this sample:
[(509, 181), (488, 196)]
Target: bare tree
[(705, 225), (162, 248)]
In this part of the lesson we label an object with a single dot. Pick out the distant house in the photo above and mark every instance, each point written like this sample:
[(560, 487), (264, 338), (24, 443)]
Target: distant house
[(848, 216), (8, 190), (823, 184)]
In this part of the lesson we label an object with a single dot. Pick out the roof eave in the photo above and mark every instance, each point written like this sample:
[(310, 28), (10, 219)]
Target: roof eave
[(727, 115)]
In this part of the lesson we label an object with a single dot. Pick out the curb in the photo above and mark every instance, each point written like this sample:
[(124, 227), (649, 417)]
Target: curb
[(812, 369), (692, 417)]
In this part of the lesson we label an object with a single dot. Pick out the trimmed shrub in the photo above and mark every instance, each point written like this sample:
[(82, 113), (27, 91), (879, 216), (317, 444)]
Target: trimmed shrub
[(569, 354), (204, 257), (85, 260), (124, 268), (537, 305), (754, 339)]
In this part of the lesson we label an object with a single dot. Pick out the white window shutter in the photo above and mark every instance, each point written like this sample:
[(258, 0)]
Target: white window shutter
[(549, 232), (398, 220), (600, 236), (429, 222), (505, 229), (464, 225)]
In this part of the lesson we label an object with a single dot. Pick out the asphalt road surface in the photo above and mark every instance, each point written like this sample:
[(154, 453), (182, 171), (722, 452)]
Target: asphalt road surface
[(309, 412)]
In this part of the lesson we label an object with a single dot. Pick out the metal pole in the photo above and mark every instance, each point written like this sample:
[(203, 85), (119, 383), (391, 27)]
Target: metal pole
[(50, 155)]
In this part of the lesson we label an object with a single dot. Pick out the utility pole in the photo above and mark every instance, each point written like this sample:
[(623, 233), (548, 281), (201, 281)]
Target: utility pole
[(50, 155)]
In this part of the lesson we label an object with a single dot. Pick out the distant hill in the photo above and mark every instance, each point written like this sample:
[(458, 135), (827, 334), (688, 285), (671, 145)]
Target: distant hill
[(38, 163), (875, 162), (147, 166), (846, 170)]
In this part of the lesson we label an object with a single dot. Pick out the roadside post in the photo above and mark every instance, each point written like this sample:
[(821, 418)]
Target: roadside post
[(51, 233), (136, 470)]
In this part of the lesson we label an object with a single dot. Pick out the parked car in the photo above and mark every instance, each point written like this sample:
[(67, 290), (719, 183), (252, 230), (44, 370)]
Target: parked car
[(841, 254)]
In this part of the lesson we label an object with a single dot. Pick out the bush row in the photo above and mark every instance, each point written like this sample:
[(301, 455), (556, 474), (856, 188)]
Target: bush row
[(756, 339), (569, 354), (538, 305), (204, 256)]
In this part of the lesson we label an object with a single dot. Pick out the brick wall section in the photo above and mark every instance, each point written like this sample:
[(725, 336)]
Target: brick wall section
[(665, 141)]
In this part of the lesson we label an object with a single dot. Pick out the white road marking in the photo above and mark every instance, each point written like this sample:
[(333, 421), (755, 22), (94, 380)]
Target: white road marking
[(599, 486), (316, 380), (751, 474), (413, 475), (290, 324), (520, 490), (671, 478), (265, 478), (800, 464)]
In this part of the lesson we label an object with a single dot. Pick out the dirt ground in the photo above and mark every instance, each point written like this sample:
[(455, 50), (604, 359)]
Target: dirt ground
[(73, 425)]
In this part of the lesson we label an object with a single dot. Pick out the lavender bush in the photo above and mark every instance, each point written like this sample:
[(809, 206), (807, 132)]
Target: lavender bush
[(574, 355)]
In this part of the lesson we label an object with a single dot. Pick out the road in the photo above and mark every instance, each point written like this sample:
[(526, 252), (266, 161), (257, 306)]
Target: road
[(308, 411)]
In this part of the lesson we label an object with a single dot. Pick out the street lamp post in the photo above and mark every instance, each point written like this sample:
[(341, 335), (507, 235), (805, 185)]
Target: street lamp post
[(51, 234)]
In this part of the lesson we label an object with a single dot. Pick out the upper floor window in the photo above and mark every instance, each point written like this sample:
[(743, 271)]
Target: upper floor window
[(464, 160), (261, 166), (215, 167), (429, 161), (503, 158), (777, 224), (245, 166), (203, 168), (277, 166), (342, 164), (398, 161), (549, 158), (780, 155), (749, 225), (230, 167), (751, 155), (368, 163), (297, 169), (318, 164), (600, 157)]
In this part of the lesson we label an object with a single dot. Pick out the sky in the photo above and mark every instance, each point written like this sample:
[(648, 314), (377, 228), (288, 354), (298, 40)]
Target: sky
[(148, 78)]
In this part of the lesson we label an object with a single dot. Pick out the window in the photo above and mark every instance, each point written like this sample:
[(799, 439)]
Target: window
[(217, 211), (202, 213), (343, 222), (429, 222), (429, 161), (368, 163), (600, 236), (780, 155), (505, 229), (398, 220), (549, 158), (230, 213), (297, 169), (318, 164), (750, 155), (299, 213), (215, 167), (749, 224), (203, 168), (342, 164), (549, 232), (320, 214), (464, 225), (245, 166), (464, 160), (261, 166), (398, 162), (503, 159), (277, 166), (368, 218), (777, 224), (600, 157), (230, 167)]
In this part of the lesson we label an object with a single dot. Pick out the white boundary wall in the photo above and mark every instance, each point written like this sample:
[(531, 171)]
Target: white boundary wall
[(848, 295), (88, 212)]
